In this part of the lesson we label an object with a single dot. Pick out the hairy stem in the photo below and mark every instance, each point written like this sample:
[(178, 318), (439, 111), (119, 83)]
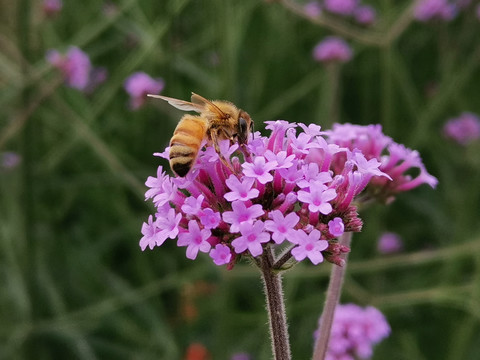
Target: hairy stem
[(275, 307), (331, 301)]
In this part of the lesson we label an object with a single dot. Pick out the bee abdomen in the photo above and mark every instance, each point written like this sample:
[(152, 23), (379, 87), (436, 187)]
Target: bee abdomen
[(185, 143)]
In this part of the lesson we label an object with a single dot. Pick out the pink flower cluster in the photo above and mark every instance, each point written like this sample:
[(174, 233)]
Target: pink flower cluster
[(332, 49), (395, 160), (138, 85), (362, 14), (355, 331), (77, 69), (294, 189), (427, 10), (463, 129)]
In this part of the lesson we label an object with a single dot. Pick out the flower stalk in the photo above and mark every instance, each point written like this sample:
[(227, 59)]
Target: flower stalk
[(272, 281), (333, 296)]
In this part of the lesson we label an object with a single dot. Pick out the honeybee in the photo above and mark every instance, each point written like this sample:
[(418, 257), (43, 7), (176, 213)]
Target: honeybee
[(218, 120)]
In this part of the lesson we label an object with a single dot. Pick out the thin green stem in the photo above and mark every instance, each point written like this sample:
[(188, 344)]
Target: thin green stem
[(272, 281), (331, 301)]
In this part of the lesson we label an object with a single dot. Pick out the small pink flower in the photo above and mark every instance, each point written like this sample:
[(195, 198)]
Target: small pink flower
[(332, 49), (426, 10), (52, 7), (336, 227), (138, 85), (463, 129), (241, 214), (209, 218), (259, 169), (149, 232), (75, 66), (221, 254), (309, 245), (389, 243), (241, 190), (365, 15), (318, 198), (341, 7), (195, 240), (355, 330), (252, 238), (281, 226), (312, 9)]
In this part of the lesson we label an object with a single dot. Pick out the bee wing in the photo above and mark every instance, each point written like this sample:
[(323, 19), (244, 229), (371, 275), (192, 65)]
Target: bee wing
[(201, 101), (180, 104)]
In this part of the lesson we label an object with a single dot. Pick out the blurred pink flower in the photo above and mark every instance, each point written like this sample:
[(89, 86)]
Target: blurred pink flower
[(75, 66), (355, 330), (427, 10), (138, 85), (463, 129), (389, 243), (52, 7), (312, 9), (341, 7), (9, 160), (365, 15), (332, 49)]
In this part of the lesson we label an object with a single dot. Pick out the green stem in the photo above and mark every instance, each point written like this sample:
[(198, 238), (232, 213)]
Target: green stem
[(331, 301), (275, 306)]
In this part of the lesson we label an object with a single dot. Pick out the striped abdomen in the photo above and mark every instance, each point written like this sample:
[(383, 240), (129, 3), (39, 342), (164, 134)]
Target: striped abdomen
[(185, 143)]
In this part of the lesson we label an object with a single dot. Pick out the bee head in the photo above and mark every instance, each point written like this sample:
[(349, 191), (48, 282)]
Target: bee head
[(245, 126)]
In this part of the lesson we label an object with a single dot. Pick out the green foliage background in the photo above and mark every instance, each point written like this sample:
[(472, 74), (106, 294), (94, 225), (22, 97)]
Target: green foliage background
[(74, 283)]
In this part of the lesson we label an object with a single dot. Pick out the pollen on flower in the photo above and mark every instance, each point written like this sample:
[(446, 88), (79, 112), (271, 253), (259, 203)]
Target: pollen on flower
[(296, 188)]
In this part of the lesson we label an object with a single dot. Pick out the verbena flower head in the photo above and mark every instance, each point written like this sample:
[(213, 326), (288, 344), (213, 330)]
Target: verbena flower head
[(427, 10), (341, 7), (463, 129), (293, 189), (365, 15), (403, 166), (138, 85), (332, 49), (389, 243), (75, 66), (52, 7), (313, 9), (355, 330)]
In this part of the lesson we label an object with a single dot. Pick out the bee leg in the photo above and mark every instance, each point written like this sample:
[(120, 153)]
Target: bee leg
[(215, 139)]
